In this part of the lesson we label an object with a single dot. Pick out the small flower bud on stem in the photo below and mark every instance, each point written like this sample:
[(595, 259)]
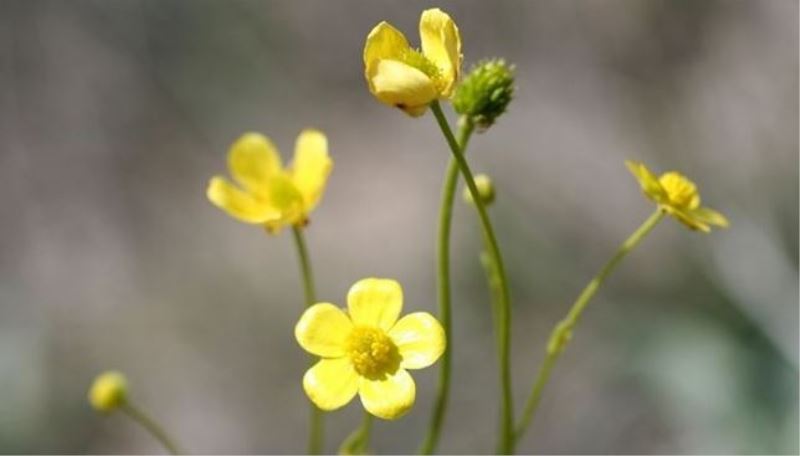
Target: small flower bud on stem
[(485, 190)]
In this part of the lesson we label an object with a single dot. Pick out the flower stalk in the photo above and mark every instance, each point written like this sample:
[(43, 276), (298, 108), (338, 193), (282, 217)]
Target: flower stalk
[(109, 393), (316, 432), (443, 290), (150, 425), (358, 441), (562, 333), (505, 444)]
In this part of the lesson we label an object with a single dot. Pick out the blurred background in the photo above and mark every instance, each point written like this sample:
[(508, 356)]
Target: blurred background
[(114, 114)]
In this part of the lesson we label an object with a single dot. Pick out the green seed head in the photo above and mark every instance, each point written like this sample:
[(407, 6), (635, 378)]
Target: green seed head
[(485, 92)]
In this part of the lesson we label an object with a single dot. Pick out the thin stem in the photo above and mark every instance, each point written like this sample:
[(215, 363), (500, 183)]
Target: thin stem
[(151, 426), (443, 285), (505, 445), (366, 428), (563, 330), (305, 266), (316, 429), (493, 282), (358, 441)]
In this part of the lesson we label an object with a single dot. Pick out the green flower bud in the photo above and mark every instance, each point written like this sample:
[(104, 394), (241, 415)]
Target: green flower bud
[(109, 391), (485, 190), (485, 92)]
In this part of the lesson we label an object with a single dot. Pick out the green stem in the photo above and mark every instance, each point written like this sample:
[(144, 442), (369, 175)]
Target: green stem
[(563, 330), (305, 266), (505, 445), (151, 426), (443, 289), (366, 428), (493, 282), (358, 441), (316, 430)]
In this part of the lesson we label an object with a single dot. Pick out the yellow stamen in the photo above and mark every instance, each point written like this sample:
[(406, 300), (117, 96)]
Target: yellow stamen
[(372, 352), (681, 191), (416, 59)]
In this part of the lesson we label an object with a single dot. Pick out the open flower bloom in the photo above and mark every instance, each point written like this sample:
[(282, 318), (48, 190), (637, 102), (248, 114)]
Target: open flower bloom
[(366, 349), (677, 196), (267, 193), (406, 78)]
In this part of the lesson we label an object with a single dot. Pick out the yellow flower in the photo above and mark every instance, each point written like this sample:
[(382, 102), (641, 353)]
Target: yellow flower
[(267, 193), (366, 350), (406, 78), (677, 196), (109, 391)]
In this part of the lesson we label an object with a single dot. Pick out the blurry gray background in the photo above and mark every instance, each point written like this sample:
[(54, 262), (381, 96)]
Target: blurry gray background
[(114, 114)]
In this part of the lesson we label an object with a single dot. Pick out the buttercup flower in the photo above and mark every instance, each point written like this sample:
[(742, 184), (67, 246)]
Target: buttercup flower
[(677, 196), (109, 391), (406, 78), (267, 193), (366, 349)]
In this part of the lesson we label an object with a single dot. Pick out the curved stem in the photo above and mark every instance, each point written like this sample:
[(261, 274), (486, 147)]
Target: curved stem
[(316, 430), (358, 441), (505, 445), (366, 428), (443, 290), (493, 282), (151, 426), (562, 332)]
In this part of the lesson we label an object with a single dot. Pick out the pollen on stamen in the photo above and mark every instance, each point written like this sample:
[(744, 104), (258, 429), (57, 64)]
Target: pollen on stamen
[(681, 191), (416, 59), (372, 352)]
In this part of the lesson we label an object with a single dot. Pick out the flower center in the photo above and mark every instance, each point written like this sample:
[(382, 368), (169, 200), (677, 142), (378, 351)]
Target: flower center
[(416, 59), (372, 352), (681, 191)]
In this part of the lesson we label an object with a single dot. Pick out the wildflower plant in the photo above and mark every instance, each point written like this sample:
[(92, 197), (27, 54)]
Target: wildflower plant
[(676, 195), (367, 349), (273, 196), (109, 393), (407, 78), (267, 193)]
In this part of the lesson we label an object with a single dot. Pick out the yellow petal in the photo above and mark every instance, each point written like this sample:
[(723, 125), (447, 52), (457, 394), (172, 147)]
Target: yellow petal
[(311, 166), (375, 302), (401, 86), (252, 160), (688, 219), (323, 329), (389, 398), (239, 204), (331, 383), (441, 44), (415, 111), (286, 198), (647, 181), (384, 42), (420, 339), (710, 216)]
